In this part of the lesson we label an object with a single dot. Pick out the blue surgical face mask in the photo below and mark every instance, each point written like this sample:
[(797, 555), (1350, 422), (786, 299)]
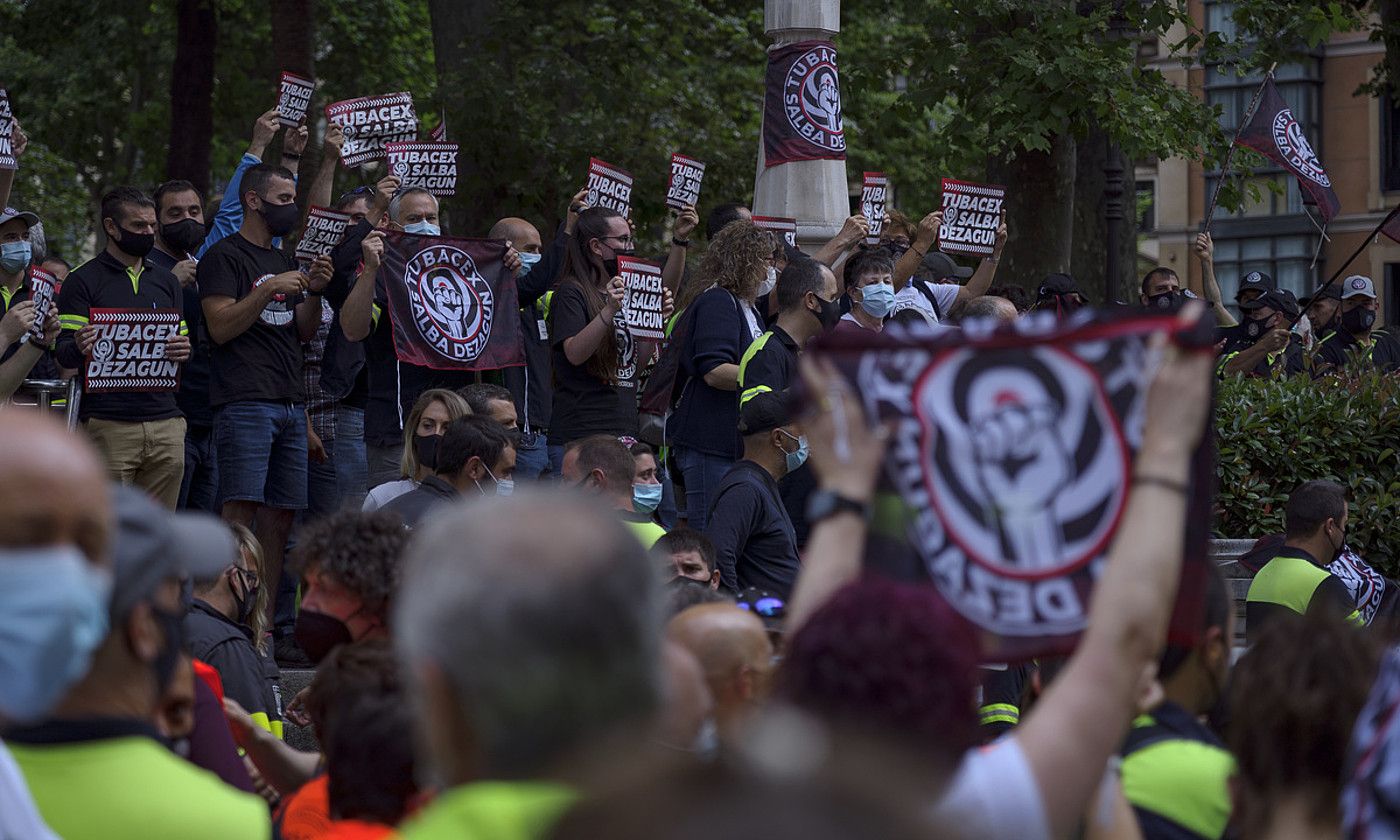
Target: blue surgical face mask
[(53, 615), (799, 457), (423, 228), (527, 261), (646, 498), (877, 299), (504, 486), (15, 256)]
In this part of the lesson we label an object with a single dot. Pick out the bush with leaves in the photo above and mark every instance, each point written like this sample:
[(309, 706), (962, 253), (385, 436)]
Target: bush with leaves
[(1275, 434)]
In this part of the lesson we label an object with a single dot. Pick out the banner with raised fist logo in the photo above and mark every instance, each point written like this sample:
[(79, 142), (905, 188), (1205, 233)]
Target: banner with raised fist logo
[(802, 104), (1010, 466), (452, 302), (1275, 133)]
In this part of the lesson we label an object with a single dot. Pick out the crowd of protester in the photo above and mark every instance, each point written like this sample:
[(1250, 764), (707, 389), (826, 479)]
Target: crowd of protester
[(531, 614)]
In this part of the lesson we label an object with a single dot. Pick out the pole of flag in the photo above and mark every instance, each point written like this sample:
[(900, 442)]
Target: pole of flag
[(1230, 152), (1341, 269)]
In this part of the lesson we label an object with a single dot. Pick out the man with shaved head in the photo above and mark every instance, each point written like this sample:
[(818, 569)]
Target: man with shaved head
[(526, 647), (736, 655), (990, 306), (55, 580)]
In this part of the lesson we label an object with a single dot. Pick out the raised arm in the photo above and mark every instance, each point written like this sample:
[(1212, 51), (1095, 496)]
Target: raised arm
[(924, 238), (853, 232), (1209, 289), (684, 226), (981, 279), (229, 218), (357, 315), (319, 195), (7, 176), (1070, 734), (293, 144)]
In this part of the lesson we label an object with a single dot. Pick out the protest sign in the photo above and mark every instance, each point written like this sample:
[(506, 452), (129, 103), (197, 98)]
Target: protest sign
[(802, 104), (874, 195), (643, 299), (684, 188), (609, 186), (453, 304), (971, 216), (7, 133), (432, 166), (1010, 464), (371, 122), (439, 134), (294, 99), (129, 354), (786, 228), (42, 288), (324, 230)]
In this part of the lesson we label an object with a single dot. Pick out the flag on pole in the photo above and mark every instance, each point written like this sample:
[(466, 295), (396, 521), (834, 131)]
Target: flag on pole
[(1276, 134)]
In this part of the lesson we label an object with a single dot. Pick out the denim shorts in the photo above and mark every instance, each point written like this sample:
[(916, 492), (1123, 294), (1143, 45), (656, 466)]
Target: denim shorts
[(262, 453)]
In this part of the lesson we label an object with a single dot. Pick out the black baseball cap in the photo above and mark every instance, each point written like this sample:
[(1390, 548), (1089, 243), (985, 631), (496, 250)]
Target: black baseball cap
[(1256, 280), (1058, 284), (764, 412), (1279, 300), (939, 265), (1331, 291)]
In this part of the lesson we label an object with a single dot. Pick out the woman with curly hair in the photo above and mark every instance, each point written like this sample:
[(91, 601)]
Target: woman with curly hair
[(723, 323)]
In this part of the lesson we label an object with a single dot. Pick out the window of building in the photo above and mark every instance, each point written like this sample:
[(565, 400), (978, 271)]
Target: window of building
[(1390, 143), (1146, 206), (1390, 295), (1288, 259)]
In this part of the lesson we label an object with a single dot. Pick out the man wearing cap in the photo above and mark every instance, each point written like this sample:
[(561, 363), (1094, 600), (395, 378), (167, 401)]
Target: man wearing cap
[(753, 535), (934, 286), (1059, 293), (96, 766), (1324, 311), (1262, 342), (16, 254), (1253, 285), (141, 434), (1356, 331)]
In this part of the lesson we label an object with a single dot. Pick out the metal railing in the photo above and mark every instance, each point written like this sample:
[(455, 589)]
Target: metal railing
[(41, 393)]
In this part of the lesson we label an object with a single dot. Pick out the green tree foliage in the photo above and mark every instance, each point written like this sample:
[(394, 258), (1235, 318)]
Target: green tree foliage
[(1276, 434)]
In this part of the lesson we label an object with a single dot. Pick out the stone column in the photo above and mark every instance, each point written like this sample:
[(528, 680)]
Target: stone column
[(814, 192)]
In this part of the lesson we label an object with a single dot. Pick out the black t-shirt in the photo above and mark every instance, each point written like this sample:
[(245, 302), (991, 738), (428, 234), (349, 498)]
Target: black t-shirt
[(584, 404), (264, 361), (1382, 354), (193, 396)]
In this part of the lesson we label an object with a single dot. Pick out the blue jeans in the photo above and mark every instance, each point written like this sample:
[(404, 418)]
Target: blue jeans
[(200, 488), (262, 453), (322, 489), (667, 512), (556, 460), (531, 458), (351, 460), (701, 473)]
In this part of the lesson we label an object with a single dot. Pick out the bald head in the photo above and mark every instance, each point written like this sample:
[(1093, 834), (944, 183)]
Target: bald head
[(53, 489), (685, 696), (543, 637), (523, 235), (991, 306), (733, 649)]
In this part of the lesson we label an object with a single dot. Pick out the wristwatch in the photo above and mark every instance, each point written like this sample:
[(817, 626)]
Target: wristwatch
[(824, 504)]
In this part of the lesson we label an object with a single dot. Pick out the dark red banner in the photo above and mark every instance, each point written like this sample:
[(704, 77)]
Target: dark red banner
[(1010, 467), (802, 105), (1276, 134), (452, 303)]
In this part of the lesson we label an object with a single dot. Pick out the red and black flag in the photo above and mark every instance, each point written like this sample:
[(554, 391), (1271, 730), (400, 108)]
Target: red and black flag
[(1275, 133), (1010, 467), (452, 302), (802, 104)]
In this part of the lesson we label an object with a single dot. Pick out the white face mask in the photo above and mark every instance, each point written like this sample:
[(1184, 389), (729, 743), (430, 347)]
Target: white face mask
[(769, 283)]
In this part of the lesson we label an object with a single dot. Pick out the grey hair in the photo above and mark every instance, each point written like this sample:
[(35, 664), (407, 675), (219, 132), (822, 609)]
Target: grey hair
[(397, 201), (989, 306), (38, 243), (548, 636)]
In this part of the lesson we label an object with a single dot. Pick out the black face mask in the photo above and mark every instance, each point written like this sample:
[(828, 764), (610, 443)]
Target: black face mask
[(184, 236), (172, 627), (426, 448), (610, 264), (1256, 327), (318, 634), (1358, 321), (280, 218), (136, 244), (1165, 301), (829, 314), (244, 604)]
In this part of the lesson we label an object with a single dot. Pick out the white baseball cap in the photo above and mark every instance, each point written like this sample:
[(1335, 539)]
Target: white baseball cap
[(1358, 285)]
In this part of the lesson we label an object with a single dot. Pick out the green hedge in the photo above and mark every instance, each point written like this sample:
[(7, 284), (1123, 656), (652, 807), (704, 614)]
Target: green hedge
[(1276, 434)]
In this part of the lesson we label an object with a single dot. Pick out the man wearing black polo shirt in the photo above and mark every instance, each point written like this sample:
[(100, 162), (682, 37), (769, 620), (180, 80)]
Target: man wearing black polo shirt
[(141, 435), (1356, 328), (809, 303), (259, 309), (1262, 343), (754, 541)]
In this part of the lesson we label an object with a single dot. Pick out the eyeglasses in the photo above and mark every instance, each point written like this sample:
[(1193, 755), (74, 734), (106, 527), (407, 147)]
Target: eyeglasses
[(627, 241)]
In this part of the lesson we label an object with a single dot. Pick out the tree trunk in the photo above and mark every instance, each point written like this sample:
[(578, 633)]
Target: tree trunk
[(1041, 227), (1088, 262), (192, 93), (459, 69), (293, 49)]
